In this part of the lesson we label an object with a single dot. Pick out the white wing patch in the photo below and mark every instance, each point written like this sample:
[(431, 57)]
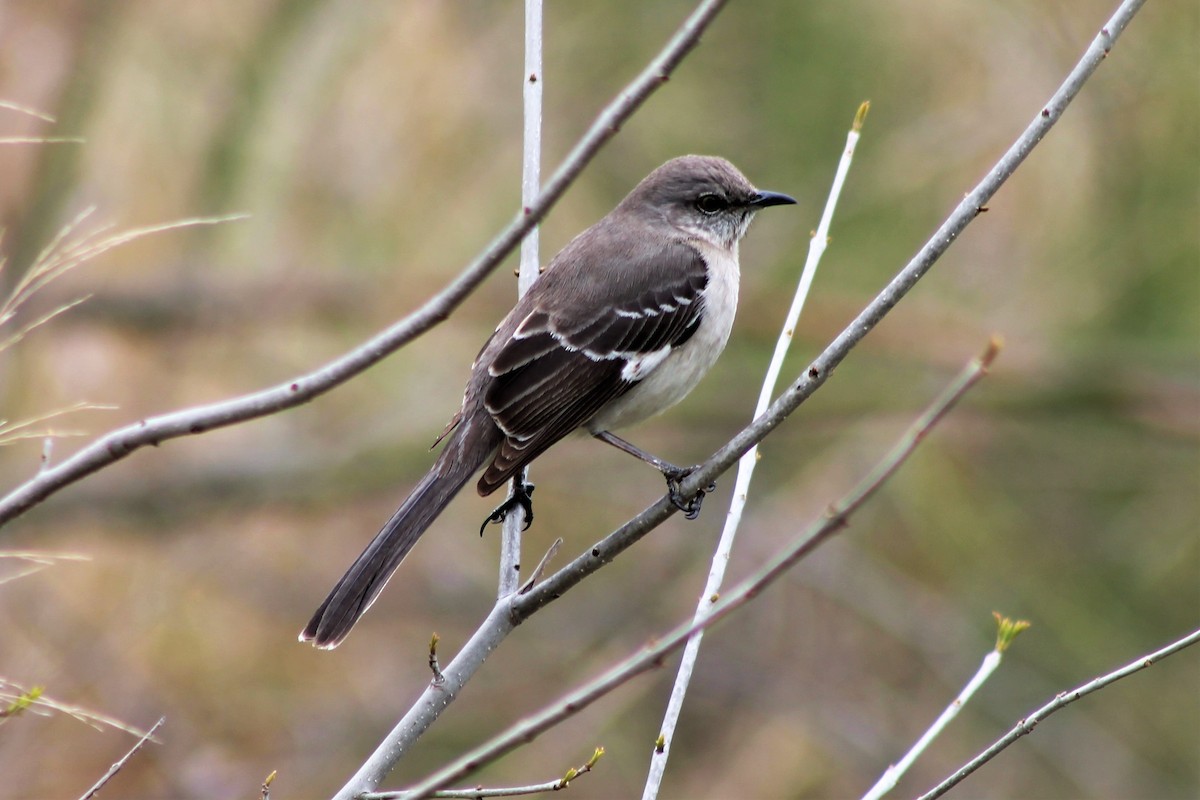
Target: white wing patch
[(638, 366)]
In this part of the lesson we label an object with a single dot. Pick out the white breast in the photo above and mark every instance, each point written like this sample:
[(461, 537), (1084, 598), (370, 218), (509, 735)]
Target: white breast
[(677, 372)]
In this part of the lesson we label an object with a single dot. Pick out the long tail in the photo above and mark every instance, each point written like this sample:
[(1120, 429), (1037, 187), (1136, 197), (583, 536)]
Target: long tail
[(469, 447)]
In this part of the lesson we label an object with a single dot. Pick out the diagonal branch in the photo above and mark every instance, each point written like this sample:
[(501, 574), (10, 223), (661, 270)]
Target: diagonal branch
[(746, 466), (117, 766), (649, 657), (1062, 699), (118, 444)]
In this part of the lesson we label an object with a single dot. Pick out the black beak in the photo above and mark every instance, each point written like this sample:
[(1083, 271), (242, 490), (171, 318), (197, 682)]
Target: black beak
[(764, 199)]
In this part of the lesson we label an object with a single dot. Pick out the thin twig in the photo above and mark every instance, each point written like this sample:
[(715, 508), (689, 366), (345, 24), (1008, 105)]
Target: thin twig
[(1063, 699), (33, 112), (41, 140), (531, 166), (498, 791), (1007, 631), (37, 702), (118, 444), (66, 251), (35, 563), (746, 465), (115, 768), (515, 520), (540, 569), (24, 429), (25, 330), (652, 655)]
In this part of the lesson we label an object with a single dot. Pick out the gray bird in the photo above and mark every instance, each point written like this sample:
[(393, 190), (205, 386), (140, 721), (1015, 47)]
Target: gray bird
[(620, 326)]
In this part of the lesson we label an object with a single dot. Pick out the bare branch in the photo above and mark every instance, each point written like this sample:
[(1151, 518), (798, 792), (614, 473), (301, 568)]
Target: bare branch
[(516, 521), (499, 791), (540, 569), (115, 768), (747, 463), (438, 695), (1007, 630), (1063, 699), (652, 655)]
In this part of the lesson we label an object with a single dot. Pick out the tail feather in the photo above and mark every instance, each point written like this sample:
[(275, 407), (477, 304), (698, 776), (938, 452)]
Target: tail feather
[(471, 445)]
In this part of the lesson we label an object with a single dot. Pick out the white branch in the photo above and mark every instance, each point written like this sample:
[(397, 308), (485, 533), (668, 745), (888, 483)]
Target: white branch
[(1007, 630), (1063, 699), (531, 178), (741, 489)]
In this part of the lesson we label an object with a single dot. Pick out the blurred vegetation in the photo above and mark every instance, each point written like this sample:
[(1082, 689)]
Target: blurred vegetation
[(376, 146)]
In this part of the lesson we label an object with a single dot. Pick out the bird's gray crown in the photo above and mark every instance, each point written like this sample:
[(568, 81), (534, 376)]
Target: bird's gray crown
[(701, 196)]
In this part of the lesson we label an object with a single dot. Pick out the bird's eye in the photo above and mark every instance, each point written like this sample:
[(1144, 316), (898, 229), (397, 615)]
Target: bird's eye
[(711, 203)]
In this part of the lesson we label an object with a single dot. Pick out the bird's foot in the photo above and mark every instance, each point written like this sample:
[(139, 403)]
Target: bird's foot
[(690, 506), (521, 496)]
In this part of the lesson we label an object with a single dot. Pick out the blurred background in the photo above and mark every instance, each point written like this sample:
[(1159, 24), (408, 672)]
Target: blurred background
[(376, 146)]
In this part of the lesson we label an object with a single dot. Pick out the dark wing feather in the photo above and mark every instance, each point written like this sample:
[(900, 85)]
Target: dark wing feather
[(568, 404), (558, 359)]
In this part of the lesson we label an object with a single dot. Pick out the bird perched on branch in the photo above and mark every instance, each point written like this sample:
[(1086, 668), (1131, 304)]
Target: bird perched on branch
[(621, 325)]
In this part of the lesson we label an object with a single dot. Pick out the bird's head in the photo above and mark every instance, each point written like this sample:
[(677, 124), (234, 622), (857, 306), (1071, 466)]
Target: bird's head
[(702, 196)]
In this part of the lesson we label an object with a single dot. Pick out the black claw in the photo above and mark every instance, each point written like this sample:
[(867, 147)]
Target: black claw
[(690, 506), (521, 496)]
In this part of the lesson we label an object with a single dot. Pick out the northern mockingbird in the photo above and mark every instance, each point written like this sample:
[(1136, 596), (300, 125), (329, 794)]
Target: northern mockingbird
[(620, 326)]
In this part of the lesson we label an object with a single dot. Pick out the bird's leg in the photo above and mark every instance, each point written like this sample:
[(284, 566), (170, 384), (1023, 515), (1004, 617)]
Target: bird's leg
[(690, 506), (521, 495)]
